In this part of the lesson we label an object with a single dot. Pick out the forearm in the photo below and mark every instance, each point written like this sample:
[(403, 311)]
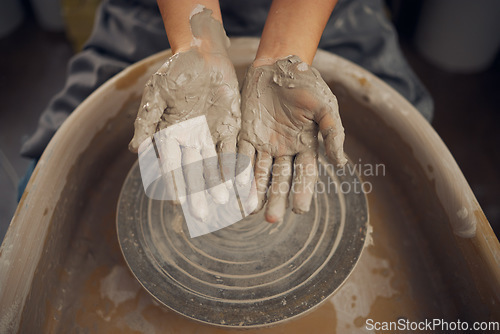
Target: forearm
[(293, 27), (176, 15)]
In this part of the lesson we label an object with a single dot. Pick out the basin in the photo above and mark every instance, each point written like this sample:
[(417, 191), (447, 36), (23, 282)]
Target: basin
[(431, 253)]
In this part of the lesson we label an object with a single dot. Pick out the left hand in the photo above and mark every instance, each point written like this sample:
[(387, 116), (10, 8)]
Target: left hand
[(284, 105)]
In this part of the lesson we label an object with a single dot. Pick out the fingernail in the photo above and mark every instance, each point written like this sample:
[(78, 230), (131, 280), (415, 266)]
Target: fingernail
[(301, 208), (275, 211), (270, 218)]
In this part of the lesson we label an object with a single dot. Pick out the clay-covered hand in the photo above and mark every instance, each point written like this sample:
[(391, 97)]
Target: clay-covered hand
[(191, 89), (283, 107)]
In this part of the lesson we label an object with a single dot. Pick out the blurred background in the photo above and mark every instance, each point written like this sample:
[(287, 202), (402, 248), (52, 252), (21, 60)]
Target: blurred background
[(452, 45)]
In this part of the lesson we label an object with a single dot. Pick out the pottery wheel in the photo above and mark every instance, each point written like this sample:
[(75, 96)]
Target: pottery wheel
[(249, 274)]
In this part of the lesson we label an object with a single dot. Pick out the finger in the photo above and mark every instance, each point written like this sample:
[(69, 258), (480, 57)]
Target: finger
[(332, 130), (192, 167), (227, 154), (151, 171), (262, 174), (170, 161), (212, 174), (244, 163), (304, 181), (280, 187), (244, 179), (249, 199), (149, 114)]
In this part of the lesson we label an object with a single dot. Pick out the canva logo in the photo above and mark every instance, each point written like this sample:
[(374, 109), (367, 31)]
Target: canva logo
[(180, 163)]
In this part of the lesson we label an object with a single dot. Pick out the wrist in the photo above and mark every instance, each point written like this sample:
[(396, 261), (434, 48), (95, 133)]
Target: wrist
[(202, 47), (294, 27), (194, 24), (180, 47), (208, 48), (270, 51), (264, 61), (258, 62)]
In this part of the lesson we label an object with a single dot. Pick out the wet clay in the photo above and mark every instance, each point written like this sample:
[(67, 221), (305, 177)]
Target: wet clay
[(284, 106), (200, 81)]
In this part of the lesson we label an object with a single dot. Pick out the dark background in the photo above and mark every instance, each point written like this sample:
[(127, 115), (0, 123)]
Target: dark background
[(467, 116)]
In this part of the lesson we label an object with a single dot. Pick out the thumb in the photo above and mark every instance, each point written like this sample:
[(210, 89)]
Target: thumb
[(149, 114), (141, 133), (331, 128)]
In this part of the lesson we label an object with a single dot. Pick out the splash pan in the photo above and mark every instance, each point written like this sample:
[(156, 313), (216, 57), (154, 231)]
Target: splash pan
[(252, 273)]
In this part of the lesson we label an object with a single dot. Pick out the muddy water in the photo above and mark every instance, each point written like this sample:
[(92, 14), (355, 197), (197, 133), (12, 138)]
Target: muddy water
[(395, 277)]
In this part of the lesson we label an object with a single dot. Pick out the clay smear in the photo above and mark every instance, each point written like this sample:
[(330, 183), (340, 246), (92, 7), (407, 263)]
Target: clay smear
[(284, 107), (198, 83)]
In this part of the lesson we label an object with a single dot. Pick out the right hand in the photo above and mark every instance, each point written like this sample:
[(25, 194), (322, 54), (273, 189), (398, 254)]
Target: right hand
[(191, 84)]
